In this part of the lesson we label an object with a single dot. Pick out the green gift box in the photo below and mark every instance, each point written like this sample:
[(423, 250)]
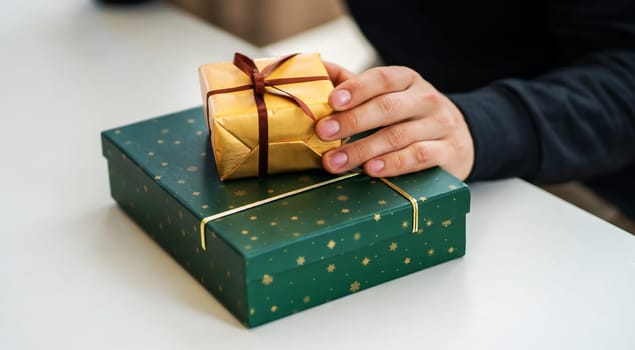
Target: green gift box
[(269, 247)]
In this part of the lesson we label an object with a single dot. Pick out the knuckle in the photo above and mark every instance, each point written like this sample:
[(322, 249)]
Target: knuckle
[(398, 163), (359, 152), (422, 153), (432, 98), (384, 77), (446, 119), (388, 104), (350, 121), (396, 137)]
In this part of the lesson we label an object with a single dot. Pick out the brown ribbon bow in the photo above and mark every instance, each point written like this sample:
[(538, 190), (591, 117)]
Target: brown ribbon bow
[(259, 84)]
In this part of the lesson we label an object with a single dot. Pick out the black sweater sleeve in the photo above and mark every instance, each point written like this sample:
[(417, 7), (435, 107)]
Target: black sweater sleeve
[(572, 122)]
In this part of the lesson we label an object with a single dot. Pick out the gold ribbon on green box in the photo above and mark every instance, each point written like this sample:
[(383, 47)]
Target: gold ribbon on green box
[(412, 200)]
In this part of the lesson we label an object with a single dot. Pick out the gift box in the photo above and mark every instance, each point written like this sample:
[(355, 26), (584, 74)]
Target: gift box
[(261, 114), (269, 247)]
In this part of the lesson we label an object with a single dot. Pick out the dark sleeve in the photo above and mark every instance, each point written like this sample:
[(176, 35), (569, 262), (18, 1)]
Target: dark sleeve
[(573, 122)]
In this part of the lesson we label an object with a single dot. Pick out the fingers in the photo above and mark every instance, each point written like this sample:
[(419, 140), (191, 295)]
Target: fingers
[(417, 156), (374, 82), (337, 73), (381, 111), (386, 140)]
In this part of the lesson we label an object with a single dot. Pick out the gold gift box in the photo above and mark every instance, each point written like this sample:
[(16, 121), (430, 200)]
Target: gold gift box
[(230, 102)]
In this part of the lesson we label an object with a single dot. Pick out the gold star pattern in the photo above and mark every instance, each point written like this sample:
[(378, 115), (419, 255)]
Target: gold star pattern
[(320, 222), (446, 223), (294, 218), (404, 224), (431, 251), (240, 193), (306, 299), (330, 268), (345, 211), (377, 217), (451, 250), (145, 188), (267, 280), (342, 197), (381, 202), (159, 141), (393, 246), (429, 223), (357, 236), (164, 163), (300, 260), (354, 286), (366, 261), (196, 193), (452, 187), (151, 154), (331, 244), (253, 218), (157, 177), (422, 198), (244, 232), (192, 168), (252, 311), (406, 261), (274, 308), (273, 223)]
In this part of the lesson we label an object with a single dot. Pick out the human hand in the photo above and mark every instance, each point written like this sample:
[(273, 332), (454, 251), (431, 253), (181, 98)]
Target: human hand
[(419, 126)]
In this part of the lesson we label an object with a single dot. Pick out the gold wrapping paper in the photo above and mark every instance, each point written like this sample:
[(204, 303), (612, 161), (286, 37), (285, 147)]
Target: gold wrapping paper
[(233, 117)]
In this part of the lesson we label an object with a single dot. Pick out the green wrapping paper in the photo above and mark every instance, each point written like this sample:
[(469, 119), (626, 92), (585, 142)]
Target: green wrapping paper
[(278, 258)]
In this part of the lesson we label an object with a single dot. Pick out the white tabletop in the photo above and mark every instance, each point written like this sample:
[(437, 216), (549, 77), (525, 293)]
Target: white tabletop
[(77, 273)]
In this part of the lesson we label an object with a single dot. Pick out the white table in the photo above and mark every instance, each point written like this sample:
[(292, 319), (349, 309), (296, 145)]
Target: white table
[(76, 273)]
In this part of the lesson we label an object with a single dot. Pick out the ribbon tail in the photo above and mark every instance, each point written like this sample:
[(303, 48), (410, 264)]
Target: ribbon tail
[(305, 108)]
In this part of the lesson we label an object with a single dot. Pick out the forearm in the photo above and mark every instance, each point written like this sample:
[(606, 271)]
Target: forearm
[(574, 122)]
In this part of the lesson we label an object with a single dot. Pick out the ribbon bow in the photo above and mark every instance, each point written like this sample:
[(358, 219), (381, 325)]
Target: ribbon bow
[(260, 86)]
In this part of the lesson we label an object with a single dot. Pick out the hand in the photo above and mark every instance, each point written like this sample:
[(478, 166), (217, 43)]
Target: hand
[(419, 127)]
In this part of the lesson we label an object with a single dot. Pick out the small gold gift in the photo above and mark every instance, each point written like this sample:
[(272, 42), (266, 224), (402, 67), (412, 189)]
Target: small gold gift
[(261, 113)]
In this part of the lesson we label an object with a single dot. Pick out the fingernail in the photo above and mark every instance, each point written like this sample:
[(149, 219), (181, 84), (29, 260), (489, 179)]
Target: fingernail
[(341, 98), (328, 128), (337, 160), (375, 165)]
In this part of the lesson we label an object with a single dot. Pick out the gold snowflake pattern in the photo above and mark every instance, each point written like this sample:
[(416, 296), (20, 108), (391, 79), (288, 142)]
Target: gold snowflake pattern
[(267, 280)]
